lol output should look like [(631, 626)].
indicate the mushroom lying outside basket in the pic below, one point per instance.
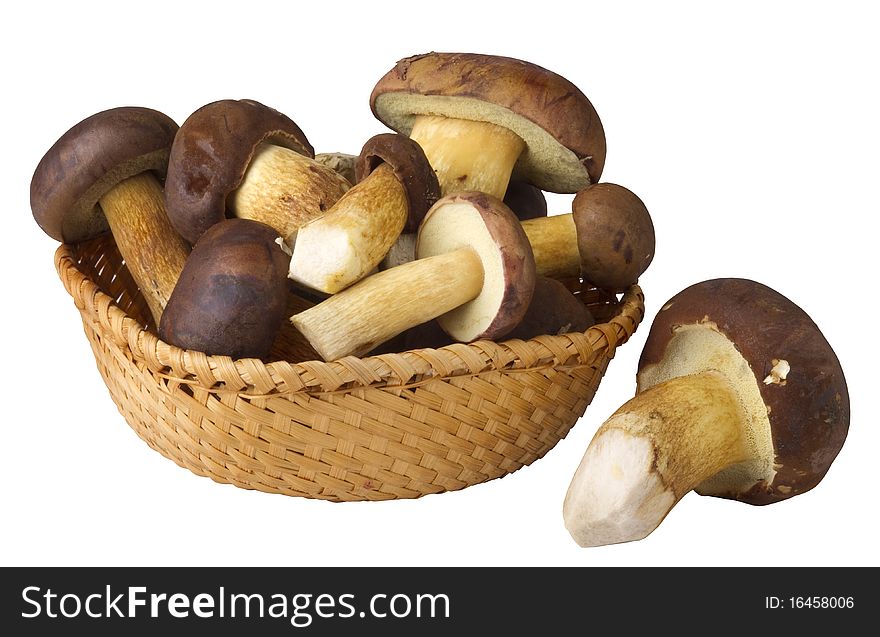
[(398, 425)]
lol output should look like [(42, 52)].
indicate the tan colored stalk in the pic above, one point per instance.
[(383, 305), (555, 245), (468, 155), (285, 189), (342, 246), (656, 448), (154, 253)]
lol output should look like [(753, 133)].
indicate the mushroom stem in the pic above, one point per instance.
[(656, 448), (153, 251), (341, 247), (383, 305), (285, 190), (468, 155), (555, 245)]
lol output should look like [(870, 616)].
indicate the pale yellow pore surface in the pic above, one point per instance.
[(383, 305), (555, 245), (286, 190), (700, 347), (545, 163), (655, 449), (153, 251), (450, 227), (468, 155), (341, 247)]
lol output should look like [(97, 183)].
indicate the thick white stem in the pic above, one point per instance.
[(286, 190), (342, 246), (385, 304), (651, 452)]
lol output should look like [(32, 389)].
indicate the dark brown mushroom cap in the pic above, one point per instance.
[(553, 310), (90, 159), (547, 111), (211, 153), (408, 163), (615, 235), (231, 297), (525, 200), (808, 409)]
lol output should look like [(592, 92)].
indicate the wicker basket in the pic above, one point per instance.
[(397, 425)]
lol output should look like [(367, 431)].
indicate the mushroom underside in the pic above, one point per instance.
[(545, 163), (696, 348)]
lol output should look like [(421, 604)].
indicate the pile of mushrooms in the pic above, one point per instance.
[(442, 221), (438, 232)]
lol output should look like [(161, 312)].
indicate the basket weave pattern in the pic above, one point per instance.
[(398, 425)]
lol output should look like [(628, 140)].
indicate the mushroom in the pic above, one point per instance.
[(525, 200), (608, 238), (482, 118), (232, 294), (553, 310), (104, 173), (395, 187), (474, 273), (341, 163), (739, 396), (246, 157)]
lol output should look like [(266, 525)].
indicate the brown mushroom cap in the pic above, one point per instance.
[(485, 224), (211, 154), (408, 163), (565, 141), (615, 235), (90, 159), (525, 200), (553, 310), (231, 297), (798, 375)]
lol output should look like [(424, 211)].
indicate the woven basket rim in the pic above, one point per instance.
[(254, 377)]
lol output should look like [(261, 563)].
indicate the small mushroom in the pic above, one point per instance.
[(608, 238), (474, 273), (482, 118), (242, 157), (341, 163), (232, 294), (706, 418), (104, 173), (395, 187), (553, 310)]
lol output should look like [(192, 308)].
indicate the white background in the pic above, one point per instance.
[(750, 132)]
